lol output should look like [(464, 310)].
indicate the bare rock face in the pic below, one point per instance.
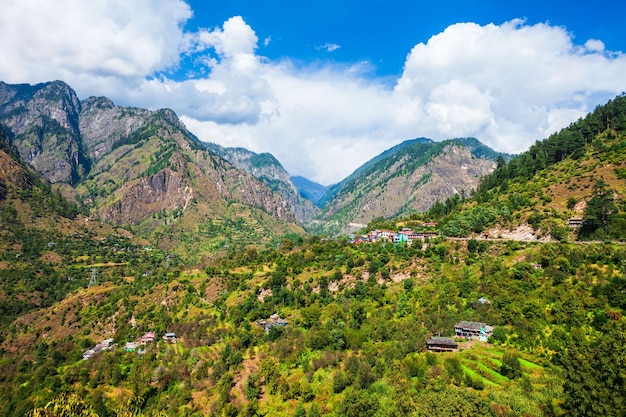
[(103, 125), (267, 169), (42, 121)]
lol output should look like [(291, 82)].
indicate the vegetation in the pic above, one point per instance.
[(355, 343), (574, 173), (357, 316)]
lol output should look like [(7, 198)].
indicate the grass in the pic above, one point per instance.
[(476, 376)]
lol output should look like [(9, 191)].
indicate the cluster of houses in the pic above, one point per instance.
[(137, 345), (406, 235), (462, 330), (99, 347), (273, 320)]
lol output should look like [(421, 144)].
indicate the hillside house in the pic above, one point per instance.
[(130, 347), (273, 320), (169, 337), (148, 337), (483, 301), (441, 344), (575, 222), (473, 330), (99, 347)]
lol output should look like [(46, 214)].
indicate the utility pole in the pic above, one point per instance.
[(93, 281)]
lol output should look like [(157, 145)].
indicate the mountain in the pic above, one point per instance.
[(266, 167), (336, 188), (409, 177), (314, 326), (42, 121), (309, 189), (140, 169)]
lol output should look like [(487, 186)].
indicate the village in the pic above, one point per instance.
[(406, 235), (139, 345)]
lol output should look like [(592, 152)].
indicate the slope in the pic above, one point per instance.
[(163, 182), (407, 178), (266, 167), (568, 186)]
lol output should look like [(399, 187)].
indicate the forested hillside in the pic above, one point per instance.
[(579, 172), (357, 316), (96, 321)]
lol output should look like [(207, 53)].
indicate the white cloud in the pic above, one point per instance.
[(594, 45), (508, 85), (87, 43), (329, 47)]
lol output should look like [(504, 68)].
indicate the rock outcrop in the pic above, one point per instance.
[(267, 169), (42, 121)]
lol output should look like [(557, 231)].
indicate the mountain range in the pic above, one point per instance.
[(139, 168), (142, 168), (145, 233)]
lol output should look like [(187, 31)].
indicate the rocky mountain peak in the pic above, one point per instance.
[(42, 121)]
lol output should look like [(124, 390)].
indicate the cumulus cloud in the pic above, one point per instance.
[(508, 85), (87, 43)]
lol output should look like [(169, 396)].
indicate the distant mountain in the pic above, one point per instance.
[(336, 188), (266, 167), (140, 168), (310, 189), (406, 178)]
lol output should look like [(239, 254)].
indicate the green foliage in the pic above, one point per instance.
[(599, 211), (595, 383), (511, 367)]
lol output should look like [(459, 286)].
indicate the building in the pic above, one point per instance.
[(273, 320), (170, 337), (130, 347), (148, 337), (99, 347), (575, 222), (441, 344), (473, 330)]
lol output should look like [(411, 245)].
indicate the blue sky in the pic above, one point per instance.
[(327, 85), (383, 32)]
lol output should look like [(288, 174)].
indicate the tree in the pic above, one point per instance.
[(511, 367), (595, 382), (299, 411), (64, 406), (599, 211)]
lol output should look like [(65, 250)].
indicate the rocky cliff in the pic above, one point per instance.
[(42, 121), (135, 166), (267, 169), (102, 125)]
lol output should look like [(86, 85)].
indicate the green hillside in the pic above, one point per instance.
[(310, 326), (578, 172), (358, 318)]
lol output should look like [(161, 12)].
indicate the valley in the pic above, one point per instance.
[(205, 282)]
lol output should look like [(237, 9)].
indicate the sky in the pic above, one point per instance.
[(326, 85)]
